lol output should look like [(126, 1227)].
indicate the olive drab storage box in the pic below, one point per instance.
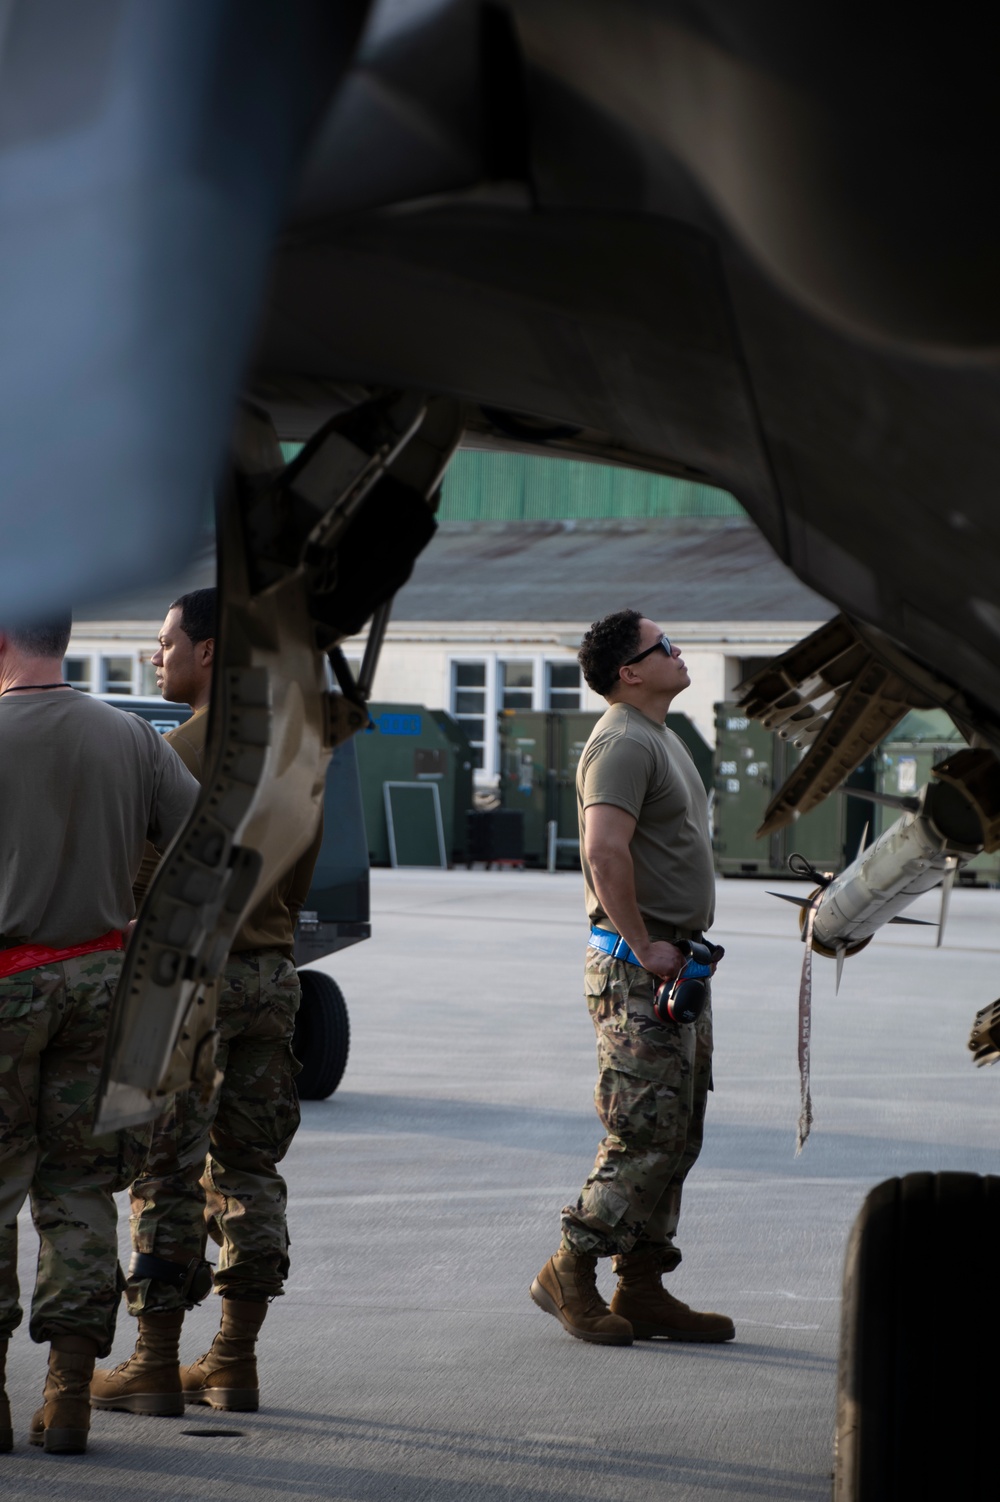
[(751, 763), (539, 754)]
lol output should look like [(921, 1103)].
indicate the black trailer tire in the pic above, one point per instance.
[(322, 1035), (919, 1379)]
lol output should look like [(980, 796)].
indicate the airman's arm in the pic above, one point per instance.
[(608, 832)]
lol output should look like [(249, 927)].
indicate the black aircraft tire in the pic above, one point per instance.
[(322, 1036), (919, 1381)]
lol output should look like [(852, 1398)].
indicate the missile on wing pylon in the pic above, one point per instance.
[(939, 829), (835, 695), (938, 832)]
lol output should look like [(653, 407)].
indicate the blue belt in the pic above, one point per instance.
[(613, 944)]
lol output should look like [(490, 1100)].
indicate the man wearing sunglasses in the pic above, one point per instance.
[(650, 884)]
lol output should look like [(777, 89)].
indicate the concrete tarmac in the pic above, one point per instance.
[(406, 1360)]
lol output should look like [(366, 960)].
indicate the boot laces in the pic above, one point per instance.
[(586, 1287)]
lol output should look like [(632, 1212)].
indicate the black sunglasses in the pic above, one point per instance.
[(663, 642)]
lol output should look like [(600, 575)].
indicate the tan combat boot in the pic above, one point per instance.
[(650, 1310), (63, 1421), (150, 1380), (567, 1288), (6, 1426), (226, 1376)]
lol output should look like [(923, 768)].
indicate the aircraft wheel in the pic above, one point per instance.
[(322, 1035), (919, 1380)]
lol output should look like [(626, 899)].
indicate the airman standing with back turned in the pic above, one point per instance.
[(216, 1163), (82, 786)]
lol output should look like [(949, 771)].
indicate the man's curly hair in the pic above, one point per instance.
[(609, 643)]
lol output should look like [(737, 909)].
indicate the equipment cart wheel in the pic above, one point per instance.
[(919, 1381), (322, 1035)]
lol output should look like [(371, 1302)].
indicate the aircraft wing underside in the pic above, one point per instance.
[(716, 240), (697, 238)]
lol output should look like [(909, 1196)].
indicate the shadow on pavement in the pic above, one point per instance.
[(732, 1148)]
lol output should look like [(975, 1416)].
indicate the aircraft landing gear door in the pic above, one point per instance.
[(308, 553), (919, 1380)]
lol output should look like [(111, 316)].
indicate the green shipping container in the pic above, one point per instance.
[(539, 754), (410, 743), (750, 764)]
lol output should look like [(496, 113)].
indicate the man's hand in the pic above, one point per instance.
[(661, 958), (608, 832)]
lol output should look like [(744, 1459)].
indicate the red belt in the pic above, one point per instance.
[(33, 956)]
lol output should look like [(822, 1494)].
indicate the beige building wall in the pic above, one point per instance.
[(420, 658)]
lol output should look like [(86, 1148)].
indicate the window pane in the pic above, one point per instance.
[(516, 679), (76, 670), (518, 674), (468, 705), (116, 675), (564, 685)]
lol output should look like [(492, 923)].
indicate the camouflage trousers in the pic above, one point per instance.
[(211, 1168), (53, 1025), (651, 1094)]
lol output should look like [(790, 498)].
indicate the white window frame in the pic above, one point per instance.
[(92, 670), (104, 656), (487, 773), (562, 662), (516, 659)]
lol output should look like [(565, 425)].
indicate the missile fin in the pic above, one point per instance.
[(915, 922), (908, 804), (841, 951), (787, 897), (946, 886), (861, 842)]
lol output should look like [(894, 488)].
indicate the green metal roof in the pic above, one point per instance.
[(482, 486), (494, 487)]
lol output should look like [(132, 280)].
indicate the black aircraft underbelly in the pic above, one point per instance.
[(871, 470), (707, 246), (714, 240), (749, 242)]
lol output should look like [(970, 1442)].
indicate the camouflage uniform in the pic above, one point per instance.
[(651, 1094), (53, 1025), (244, 1131)]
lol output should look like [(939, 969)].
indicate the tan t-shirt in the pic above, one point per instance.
[(82, 786), (635, 764), (271, 925)]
